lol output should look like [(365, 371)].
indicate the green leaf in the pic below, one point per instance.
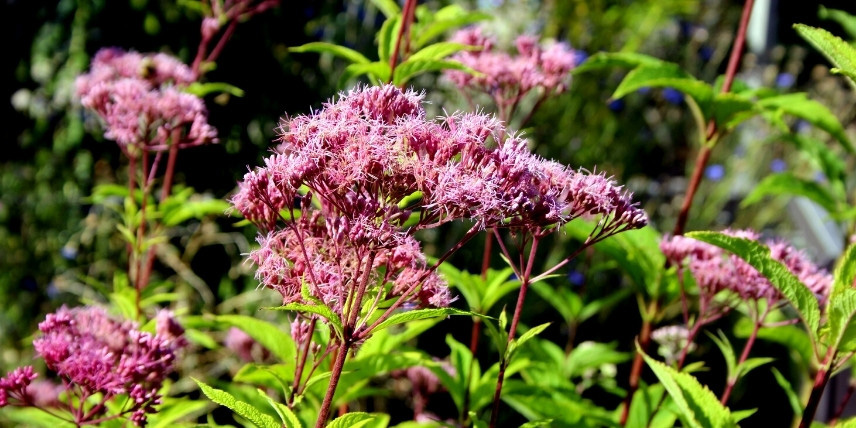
[(724, 345), (665, 75), (842, 304), (788, 389), (175, 214), (289, 419), (412, 68), (445, 19), (758, 256), (729, 109), (420, 314), (268, 335), (386, 38), (752, 364), (174, 409), (813, 112), (525, 337), (356, 420), (388, 8), (837, 51), (377, 70), (538, 423), (440, 50), (203, 89), (829, 162), (698, 405), (792, 337), (592, 355), (330, 48), (602, 60), (786, 183), (321, 310), (241, 408), (846, 20)]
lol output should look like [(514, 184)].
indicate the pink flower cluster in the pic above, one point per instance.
[(505, 76), (94, 353), (369, 169), (140, 101), (715, 270)]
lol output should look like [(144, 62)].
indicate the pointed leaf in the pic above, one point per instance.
[(698, 405), (412, 68), (665, 75), (788, 389), (420, 314), (603, 60), (845, 19), (758, 256), (724, 345), (377, 70), (440, 50), (387, 7), (386, 38), (447, 18), (289, 419), (241, 408), (842, 304), (837, 51), (330, 48), (786, 183), (356, 420), (813, 112), (532, 332), (321, 310)]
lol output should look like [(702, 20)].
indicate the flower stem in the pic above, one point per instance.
[(636, 369), (336, 372), (518, 310), (744, 355), (407, 16), (820, 381), (298, 371)]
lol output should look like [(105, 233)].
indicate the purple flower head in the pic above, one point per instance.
[(15, 385), (95, 353), (137, 98), (715, 271), (714, 172), (502, 75), (348, 186)]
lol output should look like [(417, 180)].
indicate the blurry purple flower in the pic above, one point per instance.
[(714, 172), (673, 96), (706, 53), (785, 80), (244, 346), (136, 97), (616, 105), (778, 165), (645, 90), (68, 252), (576, 278), (803, 126), (820, 177)]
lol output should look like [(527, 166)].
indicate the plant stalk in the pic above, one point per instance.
[(335, 374)]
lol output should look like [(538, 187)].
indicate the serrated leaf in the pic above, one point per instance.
[(412, 68), (387, 7), (602, 60), (333, 49), (420, 314), (378, 70), (241, 408), (174, 409), (354, 420), (321, 310), (665, 75), (698, 405), (758, 256), (786, 183), (279, 343), (837, 51), (813, 112), (841, 310), (843, 18)]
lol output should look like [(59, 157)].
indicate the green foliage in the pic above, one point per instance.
[(698, 405), (758, 256), (786, 183), (846, 20), (480, 294), (268, 335), (419, 314), (360, 420), (841, 309), (252, 414), (837, 51)]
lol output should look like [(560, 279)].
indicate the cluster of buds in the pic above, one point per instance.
[(140, 100), (93, 353)]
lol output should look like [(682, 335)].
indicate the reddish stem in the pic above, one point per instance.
[(744, 355), (518, 310), (335, 374), (407, 15), (298, 371), (843, 404), (636, 369), (820, 381)]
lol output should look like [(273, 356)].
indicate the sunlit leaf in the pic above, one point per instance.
[(243, 409), (786, 183)]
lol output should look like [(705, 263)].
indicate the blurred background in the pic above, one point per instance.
[(53, 239)]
